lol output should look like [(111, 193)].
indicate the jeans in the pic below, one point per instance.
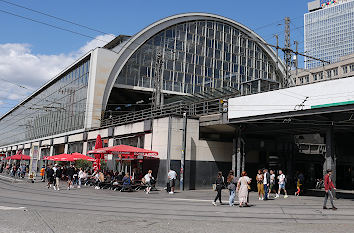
[(330, 194), (265, 191), (232, 197), (79, 181)]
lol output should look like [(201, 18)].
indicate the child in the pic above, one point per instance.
[(42, 172), (298, 186)]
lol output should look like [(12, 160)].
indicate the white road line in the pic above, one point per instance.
[(11, 208)]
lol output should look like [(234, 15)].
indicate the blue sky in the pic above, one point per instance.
[(47, 46)]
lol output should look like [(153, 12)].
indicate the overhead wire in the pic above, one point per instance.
[(55, 17)]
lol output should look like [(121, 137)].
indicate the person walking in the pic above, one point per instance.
[(266, 182), (57, 175), (219, 183), (282, 183), (42, 173), (260, 187), (272, 182), (242, 189), (147, 179), (80, 177), (232, 182), (329, 186), (172, 176), (70, 172), (50, 176)]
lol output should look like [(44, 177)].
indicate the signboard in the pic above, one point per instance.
[(325, 3), (317, 95)]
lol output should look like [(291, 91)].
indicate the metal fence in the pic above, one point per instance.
[(196, 109)]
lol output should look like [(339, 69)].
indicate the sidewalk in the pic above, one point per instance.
[(8, 178)]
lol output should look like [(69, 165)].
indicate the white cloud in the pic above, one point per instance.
[(18, 65)]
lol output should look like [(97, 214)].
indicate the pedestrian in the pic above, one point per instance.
[(172, 176), (231, 186), (282, 183), (23, 171), (298, 187), (242, 189), (272, 182), (329, 186), (81, 177), (266, 182), (147, 179), (42, 173), (219, 183), (57, 174), (50, 176), (70, 173), (260, 187)]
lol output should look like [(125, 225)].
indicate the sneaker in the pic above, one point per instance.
[(214, 203), (262, 199), (68, 188), (55, 188), (170, 192), (58, 189), (334, 208), (286, 196), (276, 196), (79, 187), (259, 198)]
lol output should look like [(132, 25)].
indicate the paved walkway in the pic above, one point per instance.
[(27, 207)]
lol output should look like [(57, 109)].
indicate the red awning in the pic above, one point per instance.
[(19, 157), (69, 157), (125, 151)]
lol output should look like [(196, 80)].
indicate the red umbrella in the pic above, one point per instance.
[(78, 156), (69, 157), (126, 151), (19, 157)]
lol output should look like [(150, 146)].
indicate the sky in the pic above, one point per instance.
[(32, 53)]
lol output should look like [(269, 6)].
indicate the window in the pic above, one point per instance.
[(345, 69)]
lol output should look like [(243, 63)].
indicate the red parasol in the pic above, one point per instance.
[(19, 157), (126, 151), (69, 157)]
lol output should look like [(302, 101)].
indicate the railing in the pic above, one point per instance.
[(197, 109)]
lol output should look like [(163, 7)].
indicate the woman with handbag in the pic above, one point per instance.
[(242, 189), (219, 183)]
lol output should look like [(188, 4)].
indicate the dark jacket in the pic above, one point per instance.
[(58, 173), (219, 182), (50, 172)]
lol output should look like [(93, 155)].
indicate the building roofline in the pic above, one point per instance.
[(45, 85)]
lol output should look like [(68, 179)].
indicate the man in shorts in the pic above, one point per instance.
[(172, 175), (281, 183), (272, 182)]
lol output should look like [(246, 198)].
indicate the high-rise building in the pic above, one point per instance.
[(328, 31)]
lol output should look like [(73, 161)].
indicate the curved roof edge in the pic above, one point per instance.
[(141, 37)]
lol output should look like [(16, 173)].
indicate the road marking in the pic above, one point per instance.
[(11, 208)]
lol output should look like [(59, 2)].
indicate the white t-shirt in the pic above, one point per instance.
[(265, 178), (147, 177), (172, 175), (281, 179)]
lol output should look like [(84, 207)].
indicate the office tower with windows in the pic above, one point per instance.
[(328, 31)]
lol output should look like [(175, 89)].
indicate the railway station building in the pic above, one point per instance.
[(212, 69)]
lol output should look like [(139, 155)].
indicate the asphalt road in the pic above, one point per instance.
[(27, 207)]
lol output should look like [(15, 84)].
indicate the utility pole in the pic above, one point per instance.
[(157, 92), (296, 58), (277, 38), (287, 52)]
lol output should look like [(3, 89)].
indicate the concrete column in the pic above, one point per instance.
[(66, 148), (234, 151), (84, 148), (51, 151), (243, 156), (238, 157), (330, 156)]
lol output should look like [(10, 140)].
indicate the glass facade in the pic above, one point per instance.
[(329, 33), (202, 55), (57, 108)]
